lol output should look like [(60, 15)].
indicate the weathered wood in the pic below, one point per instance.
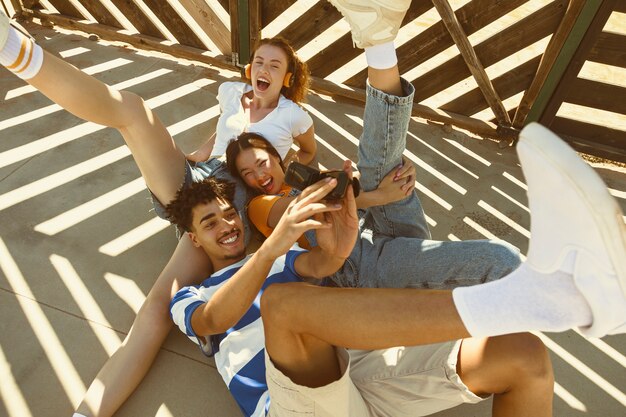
[(209, 22), (66, 8), (174, 23), (473, 16), (479, 127), (17, 6), (472, 61), (225, 4), (140, 41), (101, 13), (306, 27), (254, 17), (597, 95), (548, 61), (270, 10), (599, 136), (507, 84), (137, 17), (506, 42), (609, 49), (593, 29), (233, 7)]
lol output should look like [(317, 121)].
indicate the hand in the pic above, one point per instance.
[(338, 240), (305, 212), (398, 184)]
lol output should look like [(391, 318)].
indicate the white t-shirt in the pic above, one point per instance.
[(279, 127)]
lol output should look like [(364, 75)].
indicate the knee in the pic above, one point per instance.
[(531, 360), (133, 108), (505, 256), (275, 310)]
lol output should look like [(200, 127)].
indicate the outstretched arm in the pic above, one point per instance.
[(231, 301)]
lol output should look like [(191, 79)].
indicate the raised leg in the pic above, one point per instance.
[(160, 161)]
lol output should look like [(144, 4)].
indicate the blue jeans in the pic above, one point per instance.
[(394, 249)]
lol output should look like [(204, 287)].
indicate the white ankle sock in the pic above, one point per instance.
[(381, 56), (21, 55), (524, 300), (78, 415)]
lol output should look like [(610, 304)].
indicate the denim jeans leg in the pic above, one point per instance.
[(418, 263), (385, 125)]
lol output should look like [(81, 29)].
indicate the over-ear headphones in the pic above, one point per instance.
[(287, 81)]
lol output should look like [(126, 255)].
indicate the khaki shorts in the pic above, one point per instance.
[(398, 382)]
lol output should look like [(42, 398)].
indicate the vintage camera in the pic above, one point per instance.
[(301, 176)]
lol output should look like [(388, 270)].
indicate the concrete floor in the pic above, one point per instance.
[(79, 246)]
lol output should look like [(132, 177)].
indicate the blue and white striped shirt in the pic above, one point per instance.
[(240, 352)]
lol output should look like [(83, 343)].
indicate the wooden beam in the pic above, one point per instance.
[(233, 8), (137, 17), (472, 61), (139, 41), (482, 128), (66, 8), (548, 61), (609, 49), (506, 42), (101, 13), (584, 34), (174, 23), (17, 5), (209, 22), (508, 84), (254, 22)]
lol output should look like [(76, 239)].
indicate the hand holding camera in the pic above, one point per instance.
[(301, 176)]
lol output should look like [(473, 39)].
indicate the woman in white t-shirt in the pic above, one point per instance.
[(268, 104)]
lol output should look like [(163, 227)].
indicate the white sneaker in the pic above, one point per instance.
[(373, 22), (4, 29), (576, 226)]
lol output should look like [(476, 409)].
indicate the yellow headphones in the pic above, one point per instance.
[(287, 81)]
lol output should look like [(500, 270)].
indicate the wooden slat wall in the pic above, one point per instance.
[(605, 135), (522, 23)]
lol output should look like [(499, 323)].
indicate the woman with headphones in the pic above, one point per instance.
[(267, 104)]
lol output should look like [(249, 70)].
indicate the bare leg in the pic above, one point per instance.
[(301, 344), (302, 324), (386, 80), (160, 161), (123, 372), (516, 368)]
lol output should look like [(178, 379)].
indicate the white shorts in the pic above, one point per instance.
[(398, 382)]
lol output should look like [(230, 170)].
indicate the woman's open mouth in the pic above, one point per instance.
[(267, 185), (262, 84)]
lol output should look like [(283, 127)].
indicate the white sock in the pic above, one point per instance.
[(78, 415), (21, 55), (381, 56), (524, 300)]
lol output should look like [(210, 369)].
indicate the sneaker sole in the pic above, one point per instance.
[(607, 214)]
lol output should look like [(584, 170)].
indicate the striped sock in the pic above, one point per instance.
[(21, 55)]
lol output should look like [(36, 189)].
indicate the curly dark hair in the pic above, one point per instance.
[(179, 210), (248, 140)]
